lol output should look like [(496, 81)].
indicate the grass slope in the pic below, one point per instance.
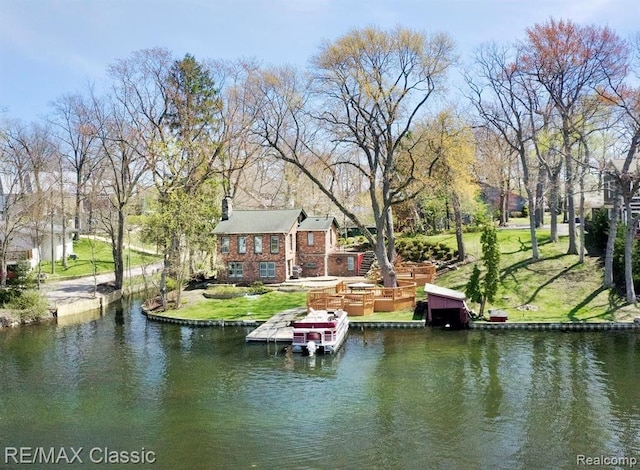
[(555, 288)]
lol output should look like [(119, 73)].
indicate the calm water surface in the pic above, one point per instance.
[(203, 398)]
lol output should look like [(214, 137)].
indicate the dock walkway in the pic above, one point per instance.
[(277, 328)]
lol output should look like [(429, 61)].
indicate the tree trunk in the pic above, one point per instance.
[(504, 207), (611, 239), (571, 211), (118, 250), (390, 238), (78, 205), (3, 268), (483, 302), (386, 266), (65, 256), (628, 253), (553, 210), (581, 215), (535, 253), (540, 187), (457, 213), (163, 281)]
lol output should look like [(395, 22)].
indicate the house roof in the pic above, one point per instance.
[(260, 221), (318, 223)]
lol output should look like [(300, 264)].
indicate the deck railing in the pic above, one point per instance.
[(420, 273), (363, 302)]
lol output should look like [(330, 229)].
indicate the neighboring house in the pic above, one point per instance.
[(609, 188), (17, 193), (491, 195), (24, 247), (272, 246)]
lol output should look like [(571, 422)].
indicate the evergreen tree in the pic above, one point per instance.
[(482, 289)]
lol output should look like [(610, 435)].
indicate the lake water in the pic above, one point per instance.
[(203, 398)]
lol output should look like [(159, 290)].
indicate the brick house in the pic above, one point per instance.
[(317, 240), (269, 245)]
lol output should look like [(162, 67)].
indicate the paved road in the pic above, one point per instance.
[(83, 288), (563, 229)]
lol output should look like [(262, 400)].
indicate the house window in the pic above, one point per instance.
[(257, 245), (310, 239), (242, 245), (234, 269), (224, 245), (275, 244), (351, 263), (267, 269), (291, 241)]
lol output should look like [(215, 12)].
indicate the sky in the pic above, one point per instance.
[(51, 48)]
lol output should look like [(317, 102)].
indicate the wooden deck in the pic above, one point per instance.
[(366, 301), (277, 328)]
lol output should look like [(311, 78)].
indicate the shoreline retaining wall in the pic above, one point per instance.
[(100, 302), (537, 326)]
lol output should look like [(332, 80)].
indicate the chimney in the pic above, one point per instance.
[(227, 208)]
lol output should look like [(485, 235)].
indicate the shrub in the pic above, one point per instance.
[(171, 283), (30, 304), (7, 296), (23, 278), (597, 232), (224, 292), (418, 249), (258, 288)]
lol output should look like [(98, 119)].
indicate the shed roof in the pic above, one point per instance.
[(432, 289), (260, 221)]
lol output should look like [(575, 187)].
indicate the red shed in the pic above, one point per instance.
[(446, 307)]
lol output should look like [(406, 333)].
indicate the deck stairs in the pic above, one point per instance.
[(367, 261)]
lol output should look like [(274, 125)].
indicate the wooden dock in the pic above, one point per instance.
[(277, 328)]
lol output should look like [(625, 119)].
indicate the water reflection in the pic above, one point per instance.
[(203, 398)]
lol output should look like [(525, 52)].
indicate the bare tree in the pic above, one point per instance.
[(19, 152), (124, 167), (367, 90), (32, 147), (497, 91), (571, 62), (78, 144)]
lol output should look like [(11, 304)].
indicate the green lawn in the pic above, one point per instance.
[(260, 307), (83, 266)]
